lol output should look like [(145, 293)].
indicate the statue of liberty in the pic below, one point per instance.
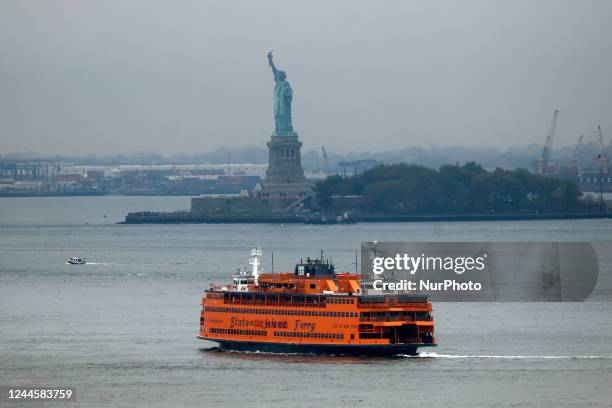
[(283, 95)]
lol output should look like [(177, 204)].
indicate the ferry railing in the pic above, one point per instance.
[(397, 340), (259, 302), (367, 305), (386, 319), (380, 336), (395, 319)]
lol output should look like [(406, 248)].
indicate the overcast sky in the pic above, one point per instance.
[(80, 77)]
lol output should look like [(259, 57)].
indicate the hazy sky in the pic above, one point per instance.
[(100, 77)]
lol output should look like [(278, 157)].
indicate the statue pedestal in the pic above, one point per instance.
[(285, 176)]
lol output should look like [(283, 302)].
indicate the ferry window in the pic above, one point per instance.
[(352, 337), (313, 285)]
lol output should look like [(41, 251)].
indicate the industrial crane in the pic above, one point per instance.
[(326, 160), (603, 163), (546, 152), (576, 154), (603, 160)]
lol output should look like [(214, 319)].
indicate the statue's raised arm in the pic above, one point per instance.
[(271, 63)]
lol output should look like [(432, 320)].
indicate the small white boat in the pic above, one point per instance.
[(76, 260)]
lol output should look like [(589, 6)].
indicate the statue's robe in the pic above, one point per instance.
[(283, 95)]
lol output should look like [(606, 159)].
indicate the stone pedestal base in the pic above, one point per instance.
[(285, 176), (284, 160)]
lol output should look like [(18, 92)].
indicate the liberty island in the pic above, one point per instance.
[(284, 193)]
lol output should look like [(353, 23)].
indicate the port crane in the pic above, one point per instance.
[(326, 160), (603, 159), (576, 154), (544, 162)]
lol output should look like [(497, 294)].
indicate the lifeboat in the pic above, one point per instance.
[(313, 309)]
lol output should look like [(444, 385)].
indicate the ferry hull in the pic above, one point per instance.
[(329, 349)]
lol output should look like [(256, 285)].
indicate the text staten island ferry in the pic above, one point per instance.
[(313, 309)]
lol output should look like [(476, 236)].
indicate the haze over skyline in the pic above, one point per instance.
[(100, 77)]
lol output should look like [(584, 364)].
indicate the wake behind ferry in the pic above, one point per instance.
[(313, 309)]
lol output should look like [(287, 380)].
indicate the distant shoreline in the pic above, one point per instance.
[(187, 217), (93, 194)]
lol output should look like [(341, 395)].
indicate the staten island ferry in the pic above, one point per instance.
[(313, 309)]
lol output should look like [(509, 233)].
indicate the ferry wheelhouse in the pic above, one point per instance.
[(313, 309)]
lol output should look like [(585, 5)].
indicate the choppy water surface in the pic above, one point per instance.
[(122, 328)]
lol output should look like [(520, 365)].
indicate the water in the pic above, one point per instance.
[(122, 328)]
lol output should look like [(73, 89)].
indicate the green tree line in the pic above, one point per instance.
[(468, 189)]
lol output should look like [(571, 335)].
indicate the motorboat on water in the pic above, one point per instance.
[(76, 260)]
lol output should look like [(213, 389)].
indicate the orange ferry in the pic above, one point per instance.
[(313, 309)]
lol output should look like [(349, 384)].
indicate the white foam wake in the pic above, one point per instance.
[(428, 354)]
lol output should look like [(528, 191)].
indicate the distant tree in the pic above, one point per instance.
[(413, 189)]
